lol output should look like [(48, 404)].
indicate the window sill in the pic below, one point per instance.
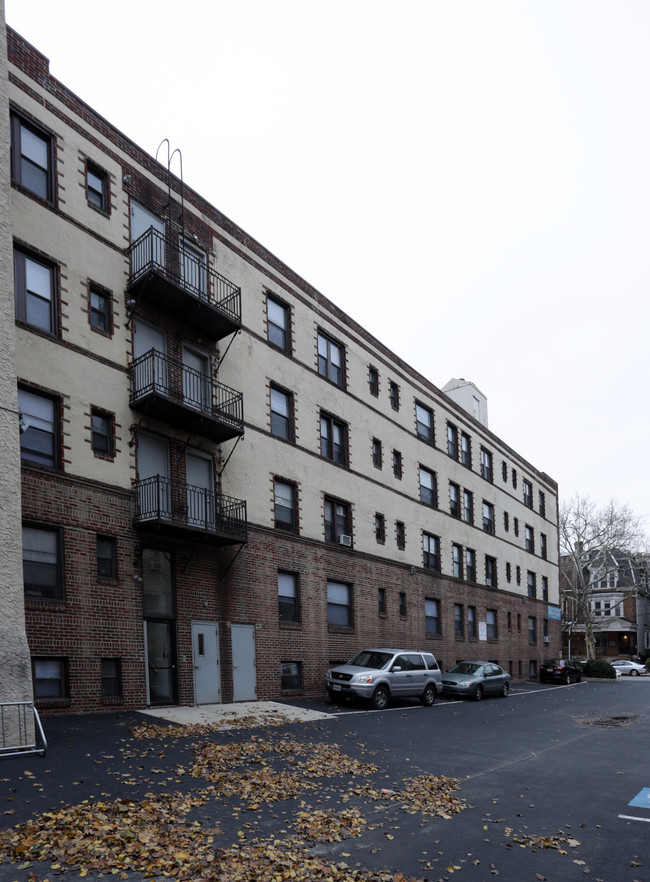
[(112, 701), (341, 629), (290, 626), (46, 703)]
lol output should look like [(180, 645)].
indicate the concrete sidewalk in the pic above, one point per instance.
[(243, 713)]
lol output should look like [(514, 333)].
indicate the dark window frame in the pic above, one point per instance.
[(397, 465), (531, 584), (487, 470), (291, 682), (34, 590), (529, 538), (466, 450), (380, 528), (280, 339), (488, 517), (382, 608), (471, 622), (98, 317), (338, 519), (288, 606), (100, 199), (400, 535), (454, 500), (332, 607), (394, 394), (278, 419), (528, 493), (430, 558), (102, 441), (431, 501), (459, 621), (470, 565), (452, 441), (63, 679), (34, 454), (457, 560), (326, 366), (106, 563), (18, 122), (492, 624), (336, 453), (286, 525), (377, 453), (402, 604), (432, 623), (373, 381), (424, 432), (490, 571), (113, 679), (22, 294)]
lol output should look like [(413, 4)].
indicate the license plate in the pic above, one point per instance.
[(336, 688)]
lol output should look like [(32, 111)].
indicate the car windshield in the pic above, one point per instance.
[(465, 668), (372, 659)]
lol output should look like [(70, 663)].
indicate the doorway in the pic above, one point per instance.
[(244, 671), (207, 663)]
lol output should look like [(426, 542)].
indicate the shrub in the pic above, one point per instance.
[(598, 667)]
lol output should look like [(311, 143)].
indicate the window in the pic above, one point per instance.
[(393, 394), (102, 433), (466, 450), (471, 622), (515, 522), (506, 521), (42, 563), (32, 159), (281, 414), (452, 441), (35, 292), (424, 423), (542, 503), (470, 565), (457, 560), (106, 557), (532, 629), (339, 604), (288, 608), (337, 520), (290, 676), (504, 470), (545, 588), (432, 617), (468, 507), (459, 629), (111, 678), (519, 621), (532, 668), (97, 187), (508, 572), (490, 571), (531, 581), (545, 628), (100, 314), (509, 621), (330, 360), (285, 506), (381, 601), (486, 464), (380, 528), (373, 381), (397, 464), (491, 622), (430, 552), (400, 535), (542, 545), (376, 453), (50, 678), (428, 492), (514, 478), (38, 438), (402, 604), (488, 517), (278, 318), (454, 500), (333, 439), (528, 493), (529, 538)]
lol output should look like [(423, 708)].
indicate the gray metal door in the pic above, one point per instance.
[(244, 673), (207, 667)]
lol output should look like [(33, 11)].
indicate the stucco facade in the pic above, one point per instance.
[(16, 681), (199, 552)]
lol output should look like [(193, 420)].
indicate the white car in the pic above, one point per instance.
[(629, 667)]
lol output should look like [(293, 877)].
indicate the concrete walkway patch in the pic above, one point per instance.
[(241, 714)]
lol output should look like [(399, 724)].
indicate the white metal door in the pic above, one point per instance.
[(142, 219), (207, 669), (151, 251), (200, 496), (153, 461), (194, 269), (244, 673), (196, 379), (152, 372)]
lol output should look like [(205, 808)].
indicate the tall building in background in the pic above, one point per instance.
[(228, 484)]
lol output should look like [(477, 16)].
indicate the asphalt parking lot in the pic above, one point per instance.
[(551, 783)]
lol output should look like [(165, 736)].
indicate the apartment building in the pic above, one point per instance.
[(228, 484)]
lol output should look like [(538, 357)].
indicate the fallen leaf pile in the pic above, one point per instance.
[(151, 836), (157, 731), (329, 825), (539, 842)]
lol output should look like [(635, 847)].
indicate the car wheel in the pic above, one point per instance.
[(428, 696), (505, 689), (634, 673), (478, 693), (567, 678), (379, 699)]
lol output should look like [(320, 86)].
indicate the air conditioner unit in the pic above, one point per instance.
[(345, 540), (547, 639)]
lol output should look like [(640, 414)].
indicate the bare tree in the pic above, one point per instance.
[(592, 541)]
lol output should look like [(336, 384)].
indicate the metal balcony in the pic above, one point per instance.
[(176, 282), (169, 390), (182, 511)]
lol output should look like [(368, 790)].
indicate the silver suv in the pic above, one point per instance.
[(377, 675)]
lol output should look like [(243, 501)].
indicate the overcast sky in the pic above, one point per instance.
[(469, 180)]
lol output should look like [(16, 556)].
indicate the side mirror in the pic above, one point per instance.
[(396, 668)]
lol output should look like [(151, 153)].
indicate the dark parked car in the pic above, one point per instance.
[(377, 675), (474, 679), (559, 670)]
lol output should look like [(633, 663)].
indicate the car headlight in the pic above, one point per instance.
[(362, 678), (465, 683)]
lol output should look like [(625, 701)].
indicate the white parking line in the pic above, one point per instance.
[(632, 818)]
